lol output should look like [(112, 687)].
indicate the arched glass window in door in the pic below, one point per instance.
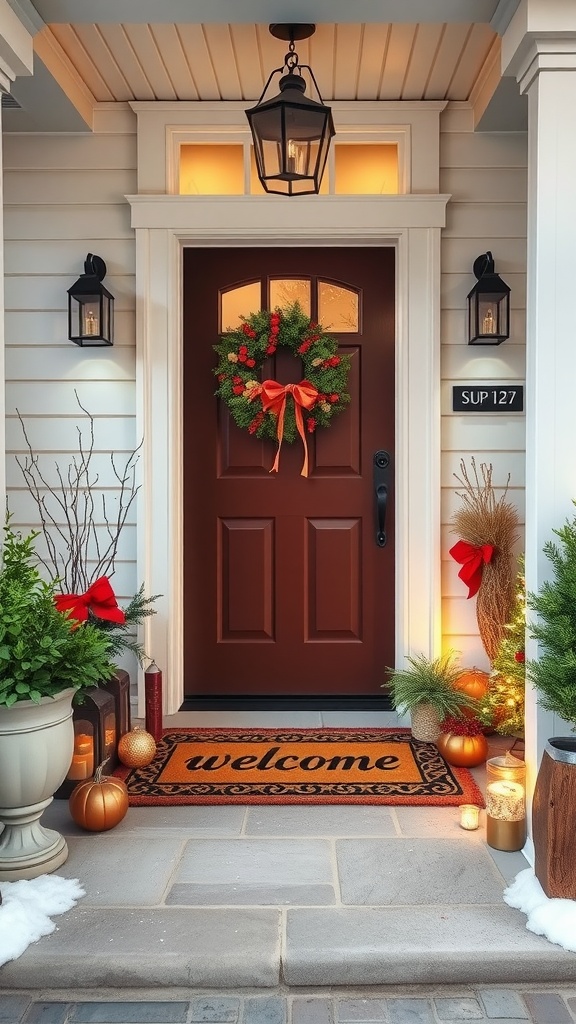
[(338, 306), (239, 302), (284, 291)]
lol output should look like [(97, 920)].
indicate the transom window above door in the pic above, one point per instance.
[(358, 168), (338, 306)]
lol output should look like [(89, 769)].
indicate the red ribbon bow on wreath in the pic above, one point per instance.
[(274, 397), (98, 599), (473, 559)]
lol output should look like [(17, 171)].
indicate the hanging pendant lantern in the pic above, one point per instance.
[(291, 132)]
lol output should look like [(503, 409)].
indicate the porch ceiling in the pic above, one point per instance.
[(147, 50)]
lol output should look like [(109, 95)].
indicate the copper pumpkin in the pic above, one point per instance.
[(473, 682), (99, 803), (463, 751)]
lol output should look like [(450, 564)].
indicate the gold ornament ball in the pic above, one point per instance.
[(136, 748)]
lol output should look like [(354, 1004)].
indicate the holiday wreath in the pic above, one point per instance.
[(262, 407)]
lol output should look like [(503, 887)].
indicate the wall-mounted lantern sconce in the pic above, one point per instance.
[(488, 305), (291, 132), (91, 306)]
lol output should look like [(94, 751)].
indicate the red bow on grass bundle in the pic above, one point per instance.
[(98, 599), (474, 559), (274, 398)]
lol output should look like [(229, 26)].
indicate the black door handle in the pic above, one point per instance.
[(381, 499), (380, 473)]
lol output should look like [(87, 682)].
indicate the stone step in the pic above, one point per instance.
[(259, 947)]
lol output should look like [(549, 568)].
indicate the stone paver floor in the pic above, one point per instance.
[(440, 1005)]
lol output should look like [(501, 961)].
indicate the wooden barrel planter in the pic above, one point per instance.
[(553, 817)]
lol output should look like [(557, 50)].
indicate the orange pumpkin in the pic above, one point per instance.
[(99, 803), (474, 683), (463, 751)]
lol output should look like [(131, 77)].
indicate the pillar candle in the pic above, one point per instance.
[(153, 701)]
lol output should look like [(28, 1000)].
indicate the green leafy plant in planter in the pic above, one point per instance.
[(46, 658), (42, 651), (553, 675), (427, 690)]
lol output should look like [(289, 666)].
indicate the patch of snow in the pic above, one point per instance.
[(26, 909), (553, 918)]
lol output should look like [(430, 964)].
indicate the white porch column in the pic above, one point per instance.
[(539, 47), (15, 59)]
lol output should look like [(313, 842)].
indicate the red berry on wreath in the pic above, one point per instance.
[(250, 362), (333, 399), (311, 425)]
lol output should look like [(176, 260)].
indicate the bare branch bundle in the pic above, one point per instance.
[(77, 555), (486, 519), (79, 550)]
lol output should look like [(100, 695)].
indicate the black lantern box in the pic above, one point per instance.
[(91, 306), (100, 719), (488, 305)]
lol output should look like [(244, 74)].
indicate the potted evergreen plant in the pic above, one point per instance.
[(426, 689), (553, 675), (46, 657)]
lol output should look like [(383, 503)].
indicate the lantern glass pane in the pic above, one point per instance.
[(105, 319), (488, 315), (91, 318), (109, 735), (82, 766)]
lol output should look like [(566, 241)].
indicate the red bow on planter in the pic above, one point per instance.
[(473, 559), (98, 599)]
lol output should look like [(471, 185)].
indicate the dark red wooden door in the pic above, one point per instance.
[(286, 591)]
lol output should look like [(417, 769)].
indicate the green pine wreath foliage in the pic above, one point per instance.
[(242, 353), (554, 673)]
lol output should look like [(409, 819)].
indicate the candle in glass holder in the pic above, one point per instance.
[(82, 766), (469, 814), (505, 803)]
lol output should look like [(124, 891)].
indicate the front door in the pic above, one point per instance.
[(287, 590)]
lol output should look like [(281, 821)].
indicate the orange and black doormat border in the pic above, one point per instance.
[(429, 779)]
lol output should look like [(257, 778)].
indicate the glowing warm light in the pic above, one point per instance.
[(469, 817), (505, 801)]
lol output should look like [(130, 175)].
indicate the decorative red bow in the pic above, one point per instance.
[(474, 559), (98, 599), (274, 396)]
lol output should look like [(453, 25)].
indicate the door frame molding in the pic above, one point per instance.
[(164, 224)]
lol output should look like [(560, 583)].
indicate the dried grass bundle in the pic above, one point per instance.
[(484, 519)]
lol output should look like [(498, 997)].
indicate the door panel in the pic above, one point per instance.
[(285, 589)]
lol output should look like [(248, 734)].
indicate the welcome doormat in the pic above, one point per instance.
[(297, 766)]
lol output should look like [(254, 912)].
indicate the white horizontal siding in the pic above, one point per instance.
[(111, 433), (62, 187), (486, 176), (47, 328), (64, 197), (62, 256), (49, 462), (83, 222), (100, 151)]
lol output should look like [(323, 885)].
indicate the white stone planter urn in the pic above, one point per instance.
[(36, 746)]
